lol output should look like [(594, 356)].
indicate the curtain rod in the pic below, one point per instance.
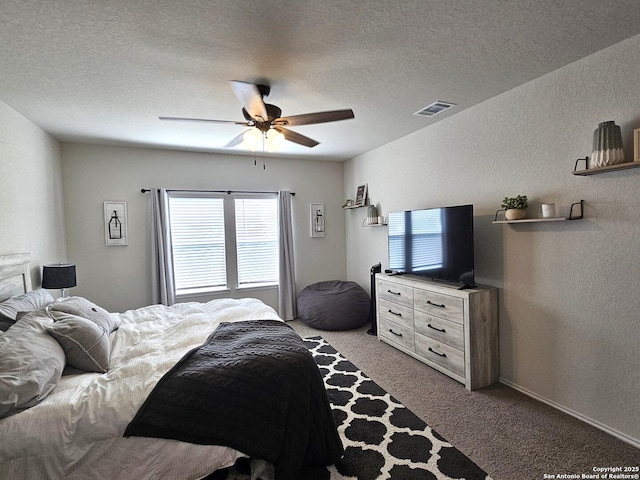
[(229, 192)]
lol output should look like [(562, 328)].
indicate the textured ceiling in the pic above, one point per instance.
[(102, 71)]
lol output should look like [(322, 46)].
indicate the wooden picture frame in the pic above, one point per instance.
[(636, 145), (361, 196), (115, 224)]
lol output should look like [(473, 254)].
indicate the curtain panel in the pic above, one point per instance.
[(287, 275), (163, 290)]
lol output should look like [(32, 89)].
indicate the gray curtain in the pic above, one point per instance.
[(287, 280), (161, 262)]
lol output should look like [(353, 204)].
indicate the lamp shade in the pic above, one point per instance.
[(59, 275)]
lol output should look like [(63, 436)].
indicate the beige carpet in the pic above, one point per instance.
[(508, 434)]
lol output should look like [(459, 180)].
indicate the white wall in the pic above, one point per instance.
[(569, 303), (31, 205), (118, 278)]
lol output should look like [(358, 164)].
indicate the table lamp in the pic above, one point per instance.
[(59, 276)]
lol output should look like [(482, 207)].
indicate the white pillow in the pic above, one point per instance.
[(31, 363)]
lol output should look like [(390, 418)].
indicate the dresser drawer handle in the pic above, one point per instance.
[(396, 334), (441, 330), (439, 305), (439, 354), (395, 313), (393, 293)]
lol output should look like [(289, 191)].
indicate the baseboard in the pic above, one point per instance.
[(622, 436)]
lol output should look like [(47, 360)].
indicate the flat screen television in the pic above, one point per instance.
[(434, 242)]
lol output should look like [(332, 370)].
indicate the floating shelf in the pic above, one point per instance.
[(596, 170), (351, 208), (536, 220), (572, 216)]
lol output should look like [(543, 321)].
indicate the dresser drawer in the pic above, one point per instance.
[(392, 292), (444, 355), (396, 313), (444, 306), (439, 329), (395, 333)]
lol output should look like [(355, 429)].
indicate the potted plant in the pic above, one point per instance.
[(516, 207)]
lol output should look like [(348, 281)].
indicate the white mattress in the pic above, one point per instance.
[(76, 432)]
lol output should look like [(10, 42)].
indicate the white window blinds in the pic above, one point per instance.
[(257, 241), (198, 245), (223, 241)]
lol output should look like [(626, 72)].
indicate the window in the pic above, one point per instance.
[(257, 240), (222, 242)]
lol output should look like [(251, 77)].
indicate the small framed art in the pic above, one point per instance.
[(317, 220), (361, 196), (115, 223)]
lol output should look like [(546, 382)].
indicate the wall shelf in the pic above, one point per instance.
[(596, 170), (352, 208), (572, 216)]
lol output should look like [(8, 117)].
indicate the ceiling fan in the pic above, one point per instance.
[(266, 118)]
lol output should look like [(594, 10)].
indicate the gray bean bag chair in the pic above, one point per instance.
[(334, 305)]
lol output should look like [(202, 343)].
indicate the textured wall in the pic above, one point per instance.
[(31, 209), (569, 303), (118, 277)]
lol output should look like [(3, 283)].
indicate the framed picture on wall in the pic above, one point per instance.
[(115, 223), (636, 145), (361, 195)]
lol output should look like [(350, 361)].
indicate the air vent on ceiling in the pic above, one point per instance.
[(434, 108)]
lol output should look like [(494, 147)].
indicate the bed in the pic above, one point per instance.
[(76, 431)]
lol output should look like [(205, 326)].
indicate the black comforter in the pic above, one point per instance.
[(252, 386)]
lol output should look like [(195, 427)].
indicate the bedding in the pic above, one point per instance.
[(77, 430), (252, 385), (86, 345), (25, 302), (31, 364), (82, 307)]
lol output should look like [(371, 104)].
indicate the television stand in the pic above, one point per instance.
[(453, 331)]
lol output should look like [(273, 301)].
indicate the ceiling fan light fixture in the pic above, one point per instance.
[(252, 139), (267, 125), (274, 140)]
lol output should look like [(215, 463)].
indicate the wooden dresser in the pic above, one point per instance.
[(454, 331)]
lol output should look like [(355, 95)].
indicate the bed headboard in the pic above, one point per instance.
[(15, 277)]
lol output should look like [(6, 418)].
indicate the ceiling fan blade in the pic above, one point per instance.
[(251, 100), (183, 119), (318, 117), (237, 140), (296, 137)]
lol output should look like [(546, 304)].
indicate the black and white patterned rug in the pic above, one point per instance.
[(382, 438)]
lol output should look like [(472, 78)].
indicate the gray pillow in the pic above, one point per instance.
[(26, 302), (31, 363), (85, 344), (84, 308)]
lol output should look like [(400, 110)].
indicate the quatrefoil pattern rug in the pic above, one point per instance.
[(382, 438)]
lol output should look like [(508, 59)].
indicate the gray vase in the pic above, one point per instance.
[(372, 215), (607, 145)]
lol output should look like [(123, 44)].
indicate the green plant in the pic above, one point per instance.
[(519, 201)]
